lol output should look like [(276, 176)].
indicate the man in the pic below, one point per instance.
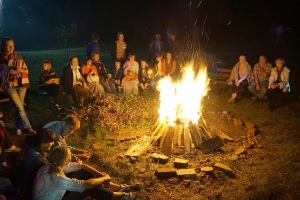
[(173, 46), (107, 84), (156, 45), (62, 130), (93, 46), (261, 73), (119, 50)]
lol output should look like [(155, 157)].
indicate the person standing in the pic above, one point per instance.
[(261, 73), (119, 50), (93, 46), (15, 81), (156, 45)]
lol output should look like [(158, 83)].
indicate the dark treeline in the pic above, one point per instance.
[(33, 23)]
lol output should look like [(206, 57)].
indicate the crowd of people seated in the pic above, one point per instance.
[(51, 167)]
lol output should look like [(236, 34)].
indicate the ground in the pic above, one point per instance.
[(268, 171)]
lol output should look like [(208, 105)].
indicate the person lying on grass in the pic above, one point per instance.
[(64, 128), (51, 181)]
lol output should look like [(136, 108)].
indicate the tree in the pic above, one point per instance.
[(65, 33)]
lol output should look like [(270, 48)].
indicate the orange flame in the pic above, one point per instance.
[(182, 100)]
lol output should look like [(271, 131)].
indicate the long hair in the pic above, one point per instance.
[(57, 156)]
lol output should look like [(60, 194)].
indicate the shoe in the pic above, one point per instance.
[(231, 100), (257, 99), (18, 132), (264, 99), (30, 131), (14, 149)]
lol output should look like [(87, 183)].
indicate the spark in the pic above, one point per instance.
[(204, 23), (190, 4), (199, 3)]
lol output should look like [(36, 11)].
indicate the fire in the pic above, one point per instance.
[(182, 100)]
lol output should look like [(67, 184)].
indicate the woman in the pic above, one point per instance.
[(90, 75), (278, 82), (241, 75), (35, 156), (74, 84), (168, 66), (130, 80), (14, 81), (51, 181), (51, 80)]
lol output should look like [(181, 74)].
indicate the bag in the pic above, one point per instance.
[(92, 78)]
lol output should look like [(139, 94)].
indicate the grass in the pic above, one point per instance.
[(271, 172)]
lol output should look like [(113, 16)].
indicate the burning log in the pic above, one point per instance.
[(196, 135), (172, 138), (187, 139)]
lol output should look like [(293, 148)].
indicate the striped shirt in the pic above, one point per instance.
[(53, 186)]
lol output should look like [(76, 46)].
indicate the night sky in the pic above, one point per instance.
[(33, 23)]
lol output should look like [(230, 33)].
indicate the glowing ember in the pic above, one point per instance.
[(182, 100)]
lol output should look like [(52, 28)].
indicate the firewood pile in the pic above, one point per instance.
[(172, 138)]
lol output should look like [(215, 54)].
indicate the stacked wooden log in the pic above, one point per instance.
[(181, 135)]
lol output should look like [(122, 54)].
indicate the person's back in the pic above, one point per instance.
[(93, 46)]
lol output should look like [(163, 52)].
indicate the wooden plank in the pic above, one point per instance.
[(224, 136), (168, 143), (224, 70), (138, 149), (223, 75)]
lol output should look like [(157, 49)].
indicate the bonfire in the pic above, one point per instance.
[(180, 122)]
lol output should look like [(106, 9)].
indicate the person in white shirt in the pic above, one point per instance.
[(52, 183)]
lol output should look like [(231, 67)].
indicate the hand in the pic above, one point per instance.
[(107, 178), (257, 87), (237, 84), (274, 85)]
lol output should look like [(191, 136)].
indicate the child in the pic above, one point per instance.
[(51, 81), (117, 75), (130, 81), (51, 181), (143, 76)]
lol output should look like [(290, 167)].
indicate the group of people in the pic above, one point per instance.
[(51, 169), (265, 82)]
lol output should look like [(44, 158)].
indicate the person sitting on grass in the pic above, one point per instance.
[(51, 181), (6, 144), (240, 75), (35, 156), (130, 80), (74, 84), (143, 76), (51, 81), (62, 130), (90, 75), (117, 75), (278, 82)]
